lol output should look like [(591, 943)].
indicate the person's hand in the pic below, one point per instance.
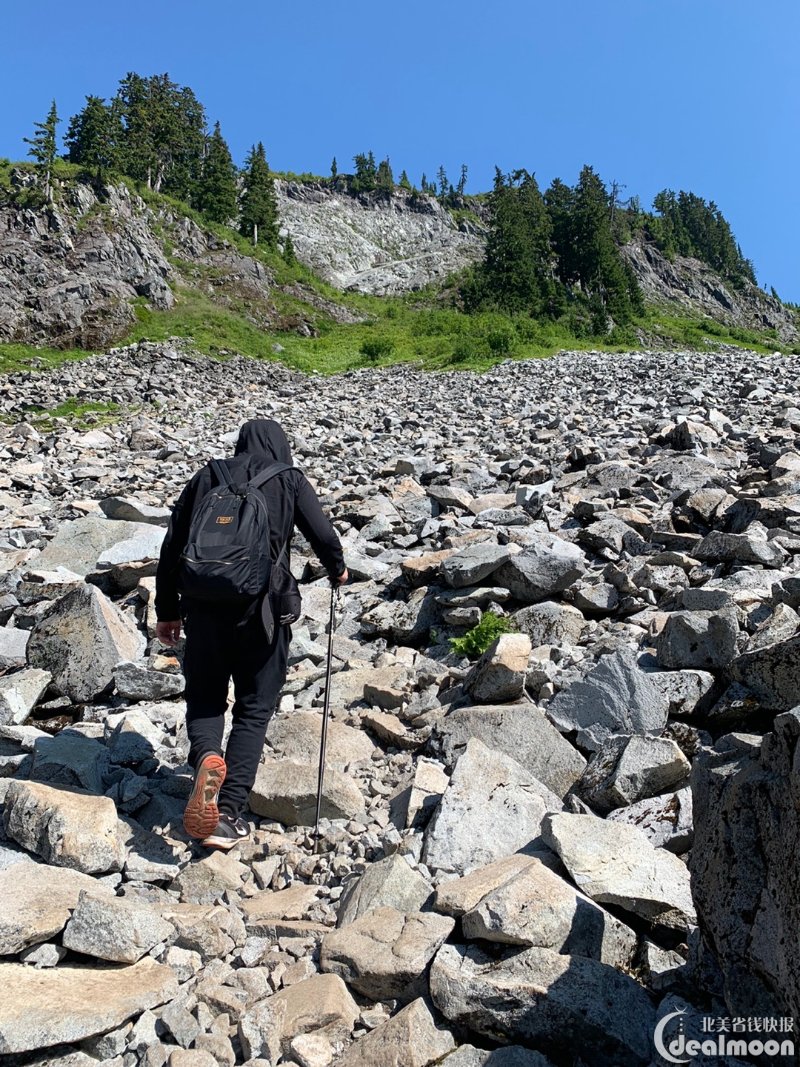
[(168, 633), (341, 579)]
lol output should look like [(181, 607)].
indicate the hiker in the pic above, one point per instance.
[(243, 636)]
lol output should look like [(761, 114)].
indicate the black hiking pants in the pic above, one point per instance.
[(220, 647)]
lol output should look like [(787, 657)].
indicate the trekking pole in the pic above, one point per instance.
[(325, 711)]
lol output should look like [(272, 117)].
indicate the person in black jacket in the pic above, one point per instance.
[(224, 642)]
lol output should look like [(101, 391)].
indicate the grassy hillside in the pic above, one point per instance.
[(424, 327)]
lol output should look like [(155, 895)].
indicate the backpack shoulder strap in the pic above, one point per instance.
[(221, 471), (270, 472)]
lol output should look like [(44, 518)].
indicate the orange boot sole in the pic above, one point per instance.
[(202, 815)]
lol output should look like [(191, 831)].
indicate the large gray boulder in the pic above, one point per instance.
[(616, 864), (628, 769), (411, 1038), (286, 790), (391, 882), (553, 1000), (472, 564), (36, 901), (78, 545), (521, 731), (492, 807), (667, 820), (297, 737), (80, 640), (615, 697), (68, 1003), (66, 827), (542, 569), (385, 954), (535, 907), (772, 673), (702, 639), (114, 929), (745, 866), (550, 623)]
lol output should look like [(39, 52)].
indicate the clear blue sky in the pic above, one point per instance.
[(702, 95)]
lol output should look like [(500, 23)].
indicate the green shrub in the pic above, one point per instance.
[(475, 641), (376, 348)]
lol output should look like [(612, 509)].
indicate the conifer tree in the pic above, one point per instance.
[(462, 181), (334, 169), (216, 189), (259, 209), (288, 249), (441, 176), (92, 138), (404, 182), (44, 146), (384, 179)]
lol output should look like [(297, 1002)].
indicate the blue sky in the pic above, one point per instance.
[(702, 95)]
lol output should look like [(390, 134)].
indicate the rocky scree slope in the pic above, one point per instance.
[(511, 871)]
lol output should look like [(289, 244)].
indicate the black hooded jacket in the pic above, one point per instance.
[(290, 499)]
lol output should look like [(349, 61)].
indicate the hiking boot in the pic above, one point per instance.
[(202, 815), (227, 833)]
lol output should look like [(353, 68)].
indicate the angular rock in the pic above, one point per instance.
[(391, 882), (718, 546), (13, 644), (615, 697), (555, 1001), (508, 1056), (36, 901), (78, 545), (744, 866), (385, 954), (411, 1038), (536, 907), (320, 1004), (550, 623), (130, 510), (667, 820), (297, 737), (702, 639), (540, 570), (415, 804), (499, 675), (459, 895), (521, 731), (114, 929), (616, 864), (772, 673), (80, 640), (69, 1003), (70, 759), (19, 695), (135, 681), (287, 792), (67, 828), (261, 1030), (628, 769), (472, 564), (492, 807)]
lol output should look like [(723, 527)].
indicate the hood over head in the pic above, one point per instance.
[(264, 437)]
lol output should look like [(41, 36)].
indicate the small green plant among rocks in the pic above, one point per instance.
[(475, 641)]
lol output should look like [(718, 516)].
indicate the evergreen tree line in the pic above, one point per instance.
[(689, 226), (546, 251), (155, 132), (543, 250)]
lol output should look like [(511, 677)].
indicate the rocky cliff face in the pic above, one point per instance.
[(375, 243), (68, 274), (689, 287)]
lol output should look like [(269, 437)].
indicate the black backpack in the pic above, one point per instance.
[(227, 555)]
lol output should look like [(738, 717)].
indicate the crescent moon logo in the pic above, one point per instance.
[(658, 1037)]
